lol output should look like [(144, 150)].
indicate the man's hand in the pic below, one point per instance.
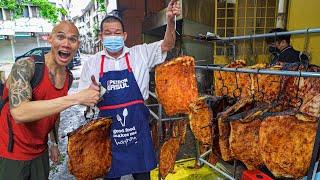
[(90, 96), (173, 9), (55, 154)]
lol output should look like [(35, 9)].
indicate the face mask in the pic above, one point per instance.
[(113, 43), (273, 50)]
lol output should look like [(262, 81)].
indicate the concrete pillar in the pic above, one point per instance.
[(38, 42)]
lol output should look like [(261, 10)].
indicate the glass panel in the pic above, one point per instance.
[(1, 16), (26, 11), (37, 52)]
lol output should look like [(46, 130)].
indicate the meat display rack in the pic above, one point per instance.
[(213, 67)]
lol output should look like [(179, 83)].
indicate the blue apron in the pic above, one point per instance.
[(132, 150)]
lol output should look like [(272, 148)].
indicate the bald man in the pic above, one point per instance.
[(30, 114)]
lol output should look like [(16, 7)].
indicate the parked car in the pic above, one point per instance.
[(76, 61)]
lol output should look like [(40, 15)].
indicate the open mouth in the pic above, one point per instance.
[(64, 55)]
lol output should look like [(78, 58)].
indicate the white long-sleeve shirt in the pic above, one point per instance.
[(142, 59)]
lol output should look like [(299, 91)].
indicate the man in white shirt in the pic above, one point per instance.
[(124, 72)]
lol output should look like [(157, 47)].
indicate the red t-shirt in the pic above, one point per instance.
[(30, 139)]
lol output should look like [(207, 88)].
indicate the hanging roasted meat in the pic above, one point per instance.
[(286, 142), (224, 126), (168, 154), (176, 85), (229, 83), (154, 134), (304, 93), (266, 87), (89, 150), (179, 129), (244, 142), (200, 121)]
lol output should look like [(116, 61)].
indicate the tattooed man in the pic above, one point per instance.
[(32, 113)]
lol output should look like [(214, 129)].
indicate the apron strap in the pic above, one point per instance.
[(101, 66), (128, 64)]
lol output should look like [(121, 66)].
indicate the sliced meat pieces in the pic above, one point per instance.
[(168, 154), (176, 85), (286, 144), (89, 150)]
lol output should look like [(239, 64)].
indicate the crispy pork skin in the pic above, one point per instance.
[(244, 143), (286, 144), (200, 121), (179, 129), (168, 154), (304, 93), (229, 83), (176, 85), (89, 149), (224, 126)]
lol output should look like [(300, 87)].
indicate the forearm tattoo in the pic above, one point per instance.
[(19, 82)]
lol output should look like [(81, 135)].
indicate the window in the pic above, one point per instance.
[(26, 11), (7, 14), (1, 15), (34, 11)]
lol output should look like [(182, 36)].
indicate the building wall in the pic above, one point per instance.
[(133, 12), (303, 15), (30, 22), (22, 45)]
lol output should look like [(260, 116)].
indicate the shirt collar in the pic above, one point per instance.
[(125, 50), (289, 47)]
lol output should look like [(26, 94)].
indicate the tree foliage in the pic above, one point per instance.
[(46, 9), (102, 7)]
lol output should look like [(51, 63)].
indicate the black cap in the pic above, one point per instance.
[(114, 14)]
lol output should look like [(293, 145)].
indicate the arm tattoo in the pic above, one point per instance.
[(19, 82)]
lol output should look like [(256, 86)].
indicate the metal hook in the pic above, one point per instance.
[(237, 89), (259, 92), (297, 98), (306, 44), (223, 85)]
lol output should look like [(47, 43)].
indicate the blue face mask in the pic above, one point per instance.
[(113, 43)]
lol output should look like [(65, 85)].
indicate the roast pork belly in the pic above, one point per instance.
[(286, 142), (89, 150), (229, 83), (179, 129), (200, 121), (304, 92), (266, 87), (168, 154), (244, 143), (176, 85), (224, 126)]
